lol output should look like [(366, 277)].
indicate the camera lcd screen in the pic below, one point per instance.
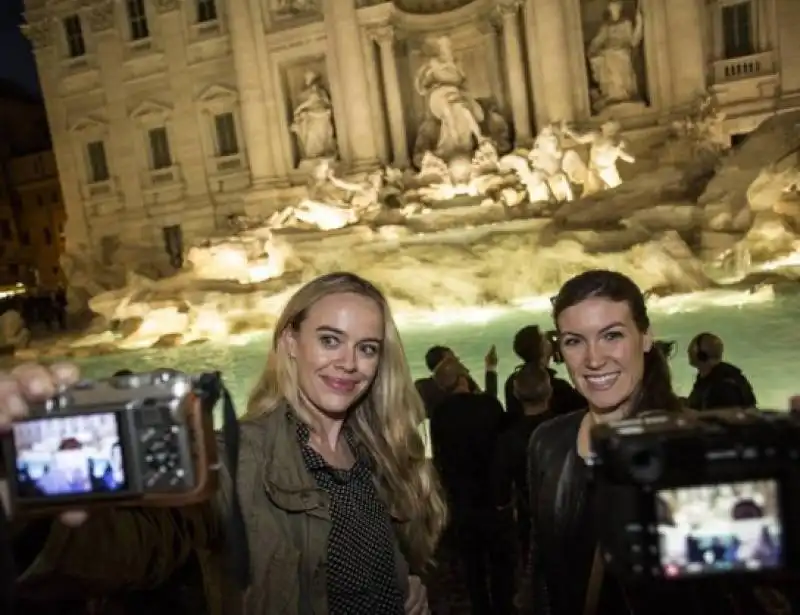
[(69, 456), (712, 529)]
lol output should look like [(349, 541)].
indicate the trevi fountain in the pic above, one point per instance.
[(471, 244), (471, 236)]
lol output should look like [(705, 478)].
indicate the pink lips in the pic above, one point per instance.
[(340, 385)]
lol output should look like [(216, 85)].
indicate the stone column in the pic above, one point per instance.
[(384, 36), (717, 35), (77, 230), (686, 52), (546, 18), (122, 153), (515, 70), (187, 148), (763, 23), (250, 75), (344, 32)]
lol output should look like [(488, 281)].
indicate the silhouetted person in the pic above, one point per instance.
[(532, 388), (532, 347), (718, 384), (464, 432), (432, 394)]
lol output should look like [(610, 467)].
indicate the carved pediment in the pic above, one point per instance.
[(88, 124), (150, 110), (217, 93)]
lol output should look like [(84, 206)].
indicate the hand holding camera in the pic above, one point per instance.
[(31, 383), (134, 440)]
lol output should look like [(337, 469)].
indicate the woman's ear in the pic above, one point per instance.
[(289, 342), (647, 342)]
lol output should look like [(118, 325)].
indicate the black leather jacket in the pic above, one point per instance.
[(563, 541)]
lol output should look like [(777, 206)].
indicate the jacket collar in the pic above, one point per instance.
[(287, 481)]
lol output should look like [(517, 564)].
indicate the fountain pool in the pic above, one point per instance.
[(760, 331)]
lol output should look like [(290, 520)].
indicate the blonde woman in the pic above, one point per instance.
[(342, 508)]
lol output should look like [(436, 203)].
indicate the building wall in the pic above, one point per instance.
[(35, 179), (247, 58), (23, 130)]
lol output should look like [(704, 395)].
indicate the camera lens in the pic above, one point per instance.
[(645, 465)]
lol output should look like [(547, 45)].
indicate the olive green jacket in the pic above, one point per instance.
[(287, 517)]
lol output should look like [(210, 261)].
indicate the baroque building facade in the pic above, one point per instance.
[(170, 116)]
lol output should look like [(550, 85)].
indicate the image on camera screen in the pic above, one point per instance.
[(719, 528), (69, 456)]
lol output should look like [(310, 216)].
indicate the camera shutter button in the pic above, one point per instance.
[(62, 401)]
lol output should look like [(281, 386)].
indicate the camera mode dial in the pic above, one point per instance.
[(161, 451)]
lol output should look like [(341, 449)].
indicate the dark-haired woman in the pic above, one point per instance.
[(605, 338)]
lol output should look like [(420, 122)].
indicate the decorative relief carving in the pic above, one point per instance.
[(288, 9), (101, 16), (165, 6), (39, 33), (429, 7)]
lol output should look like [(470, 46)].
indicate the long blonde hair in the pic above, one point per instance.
[(385, 421)]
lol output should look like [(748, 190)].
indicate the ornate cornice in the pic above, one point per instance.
[(39, 33)]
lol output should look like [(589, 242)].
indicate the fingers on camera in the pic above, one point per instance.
[(65, 374), (12, 405), (35, 381)]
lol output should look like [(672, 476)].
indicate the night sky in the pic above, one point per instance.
[(16, 59)]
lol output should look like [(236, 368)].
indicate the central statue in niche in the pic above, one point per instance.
[(312, 122), (443, 85), (611, 57)]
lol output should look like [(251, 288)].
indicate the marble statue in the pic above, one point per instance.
[(461, 176), (549, 171), (606, 148), (332, 202), (611, 57), (313, 120), (442, 82)]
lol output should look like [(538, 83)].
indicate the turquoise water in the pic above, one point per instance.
[(761, 338)]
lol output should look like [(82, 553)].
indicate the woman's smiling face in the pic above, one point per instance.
[(603, 350)]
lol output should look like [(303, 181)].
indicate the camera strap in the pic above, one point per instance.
[(211, 388), (595, 584)]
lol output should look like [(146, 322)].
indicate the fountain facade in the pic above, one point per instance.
[(242, 101), (458, 153)]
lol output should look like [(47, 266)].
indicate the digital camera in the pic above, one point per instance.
[(698, 494), (136, 439)]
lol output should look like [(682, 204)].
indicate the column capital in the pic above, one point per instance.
[(384, 34), (508, 9)]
